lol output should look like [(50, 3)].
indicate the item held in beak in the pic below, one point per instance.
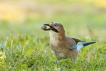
[(44, 27)]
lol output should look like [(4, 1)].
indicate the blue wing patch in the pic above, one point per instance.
[(74, 47)]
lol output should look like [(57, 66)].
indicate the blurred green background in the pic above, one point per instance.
[(82, 18), (25, 47)]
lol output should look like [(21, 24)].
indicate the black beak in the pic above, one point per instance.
[(51, 28)]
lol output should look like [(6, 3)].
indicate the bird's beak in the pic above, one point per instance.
[(44, 27)]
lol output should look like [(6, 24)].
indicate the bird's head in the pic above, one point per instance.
[(54, 28)]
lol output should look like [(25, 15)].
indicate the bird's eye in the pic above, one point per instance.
[(56, 25)]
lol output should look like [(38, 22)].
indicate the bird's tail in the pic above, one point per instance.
[(79, 46)]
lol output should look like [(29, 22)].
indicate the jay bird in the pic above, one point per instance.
[(61, 45)]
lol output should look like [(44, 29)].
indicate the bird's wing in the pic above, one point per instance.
[(77, 40), (72, 42)]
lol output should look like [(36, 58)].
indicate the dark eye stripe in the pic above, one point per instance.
[(55, 30)]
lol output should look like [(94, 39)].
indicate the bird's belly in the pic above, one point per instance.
[(65, 53), (60, 53)]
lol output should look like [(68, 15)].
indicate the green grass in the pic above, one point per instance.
[(26, 53), (26, 47)]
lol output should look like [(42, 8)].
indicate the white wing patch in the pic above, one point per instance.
[(79, 46)]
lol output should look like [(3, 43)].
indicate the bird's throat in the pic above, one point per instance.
[(56, 37)]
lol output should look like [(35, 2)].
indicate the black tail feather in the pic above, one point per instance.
[(88, 43)]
